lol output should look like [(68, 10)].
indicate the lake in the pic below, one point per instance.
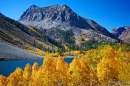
[(7, 67)]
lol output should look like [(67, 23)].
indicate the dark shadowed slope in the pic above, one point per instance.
[(13, 32)]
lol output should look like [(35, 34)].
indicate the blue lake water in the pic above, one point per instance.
[(7, 67)]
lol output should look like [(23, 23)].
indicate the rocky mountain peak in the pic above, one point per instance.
[(53, 16), (64, 18), (33, 7), (66, 8)]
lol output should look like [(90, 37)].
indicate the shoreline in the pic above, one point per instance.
[(15, 59)]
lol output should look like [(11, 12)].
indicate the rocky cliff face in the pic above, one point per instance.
[(63, 18), (123, 33)]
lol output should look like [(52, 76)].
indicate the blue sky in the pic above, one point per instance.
[(107, 13)]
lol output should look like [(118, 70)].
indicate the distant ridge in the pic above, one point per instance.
[(123, 33)]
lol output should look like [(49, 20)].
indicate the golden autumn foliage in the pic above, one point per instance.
[(16, 78), (27, 73), (3, 80), (98, 67), (123, 59), (107, 70), (80, 72)]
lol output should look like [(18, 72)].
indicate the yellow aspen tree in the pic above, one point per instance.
[(80, 56), (42, 74), (90, 57), (47, 72), (75, 73), (3, 80), (107, 70), (86, 73), (93, 76), (80, 72), (123, 59), (27, 73), (39, 78), (35, 68), (106, 51), (15, 78), (61, 71)]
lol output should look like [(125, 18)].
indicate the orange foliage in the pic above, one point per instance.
[(3, 80)]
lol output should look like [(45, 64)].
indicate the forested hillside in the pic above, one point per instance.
[(28, 38)]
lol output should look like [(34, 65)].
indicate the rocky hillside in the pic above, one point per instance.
[(123, 33), (8, 52), (63, 18)]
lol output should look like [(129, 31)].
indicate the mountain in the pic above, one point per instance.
[(123, 33), (24, 37), (118, 31), (57, 19)]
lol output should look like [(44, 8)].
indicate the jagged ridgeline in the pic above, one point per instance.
[(64, 25)]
